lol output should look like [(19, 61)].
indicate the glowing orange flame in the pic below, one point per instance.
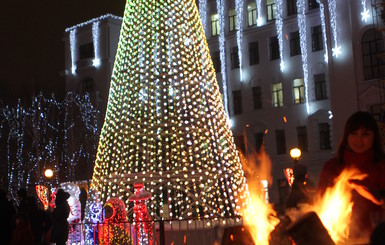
[(335, 207), (256, 217), (259, 216)]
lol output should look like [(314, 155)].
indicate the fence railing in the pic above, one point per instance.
[(155, 232)]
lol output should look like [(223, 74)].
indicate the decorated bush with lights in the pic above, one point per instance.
[(165, 124)]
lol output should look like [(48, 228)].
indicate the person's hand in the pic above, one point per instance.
[(364, 191)]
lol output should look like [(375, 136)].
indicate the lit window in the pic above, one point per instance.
[(270, 10), (232, 20), (251, 14), (214, 25), (277, 95), (298, 91)]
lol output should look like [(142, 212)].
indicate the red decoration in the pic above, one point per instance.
[(142, 218), (42, 193)]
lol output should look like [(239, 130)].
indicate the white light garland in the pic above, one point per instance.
[(95, 37), (203, 13), (333, 24), (107, 16), (279, 24), (239, 11), (303, 42), (73, 50), (259, 11), (222, 51), (324, 36), (365, 12)]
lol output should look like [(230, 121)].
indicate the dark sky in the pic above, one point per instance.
[(32, 50)]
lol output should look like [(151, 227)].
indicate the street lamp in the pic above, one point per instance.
[(48, 173), (295, 153)]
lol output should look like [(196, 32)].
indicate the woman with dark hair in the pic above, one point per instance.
[(361, 148)]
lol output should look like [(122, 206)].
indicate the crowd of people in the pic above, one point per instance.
[(24, 222)]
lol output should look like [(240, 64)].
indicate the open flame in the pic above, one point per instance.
[(335, 206), (259, 215)]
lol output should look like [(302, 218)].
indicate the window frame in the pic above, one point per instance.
[(271, 10), (295, 43), (316, 38), (298, 91), (324, 136), (277, 95), (257, 97), (252, 14), (234, 57), (253, 53), (232, 20), (237, 102), (215, 27), (320, 89), (302, 138), (274, 48), (280, 141)]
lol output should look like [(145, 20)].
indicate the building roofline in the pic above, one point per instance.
[(103, 17)]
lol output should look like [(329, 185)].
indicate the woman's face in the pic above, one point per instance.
[(360, 140)]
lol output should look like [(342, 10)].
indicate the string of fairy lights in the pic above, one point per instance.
[(303, 44), (165, 124), (279, 24), (239, 24), (95, 38), (39, 137), (222, 51)]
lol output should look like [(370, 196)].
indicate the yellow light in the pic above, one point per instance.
[(295, 153), (48, 173)]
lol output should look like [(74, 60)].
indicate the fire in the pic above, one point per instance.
[(256, 217), (335, 207), (259, 216)]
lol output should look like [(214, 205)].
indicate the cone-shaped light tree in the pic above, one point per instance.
[(165, 123)]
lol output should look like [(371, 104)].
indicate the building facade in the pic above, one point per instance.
[(291, 72)]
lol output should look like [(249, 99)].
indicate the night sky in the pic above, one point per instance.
[(32, 50)]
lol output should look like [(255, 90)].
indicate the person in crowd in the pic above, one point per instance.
[(22, 233), (22, 196), (302, 189), (60, 215), (40, 220), (7, 212), (361, 148)]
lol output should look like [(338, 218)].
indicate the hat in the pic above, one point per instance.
[(61, 196)]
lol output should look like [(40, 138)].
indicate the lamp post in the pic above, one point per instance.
[(48, 173), (295, 154)]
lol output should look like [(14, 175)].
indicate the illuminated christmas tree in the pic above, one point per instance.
[(165, 124)]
